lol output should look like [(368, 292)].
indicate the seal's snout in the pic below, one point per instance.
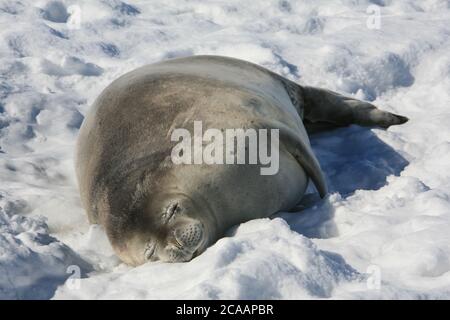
[(189, 237)]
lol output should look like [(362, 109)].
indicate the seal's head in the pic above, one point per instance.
[(170, 228)]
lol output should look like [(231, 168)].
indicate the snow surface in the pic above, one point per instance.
[(388, 213)]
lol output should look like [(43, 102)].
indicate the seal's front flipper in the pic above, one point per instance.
[(326, 109), (302, 152)]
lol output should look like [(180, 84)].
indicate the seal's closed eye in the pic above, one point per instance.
[(150, 249), (170, 212)]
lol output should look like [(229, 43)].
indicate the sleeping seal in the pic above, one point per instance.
[(155, 208)]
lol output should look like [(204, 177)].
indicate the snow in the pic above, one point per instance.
[(388, 213)]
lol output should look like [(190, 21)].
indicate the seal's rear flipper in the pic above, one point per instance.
[(325, 109)]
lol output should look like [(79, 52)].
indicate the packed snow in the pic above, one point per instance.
[(384, 230)]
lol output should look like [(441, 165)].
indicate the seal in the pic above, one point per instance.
[(154, 209)]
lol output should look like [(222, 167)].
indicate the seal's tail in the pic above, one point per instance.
[(325, 109)]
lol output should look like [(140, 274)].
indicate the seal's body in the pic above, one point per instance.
[(153, 209)]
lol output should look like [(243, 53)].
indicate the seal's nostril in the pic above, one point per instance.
[(177, 243), (189, 236)]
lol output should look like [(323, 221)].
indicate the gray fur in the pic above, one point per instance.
[(152, 209)]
